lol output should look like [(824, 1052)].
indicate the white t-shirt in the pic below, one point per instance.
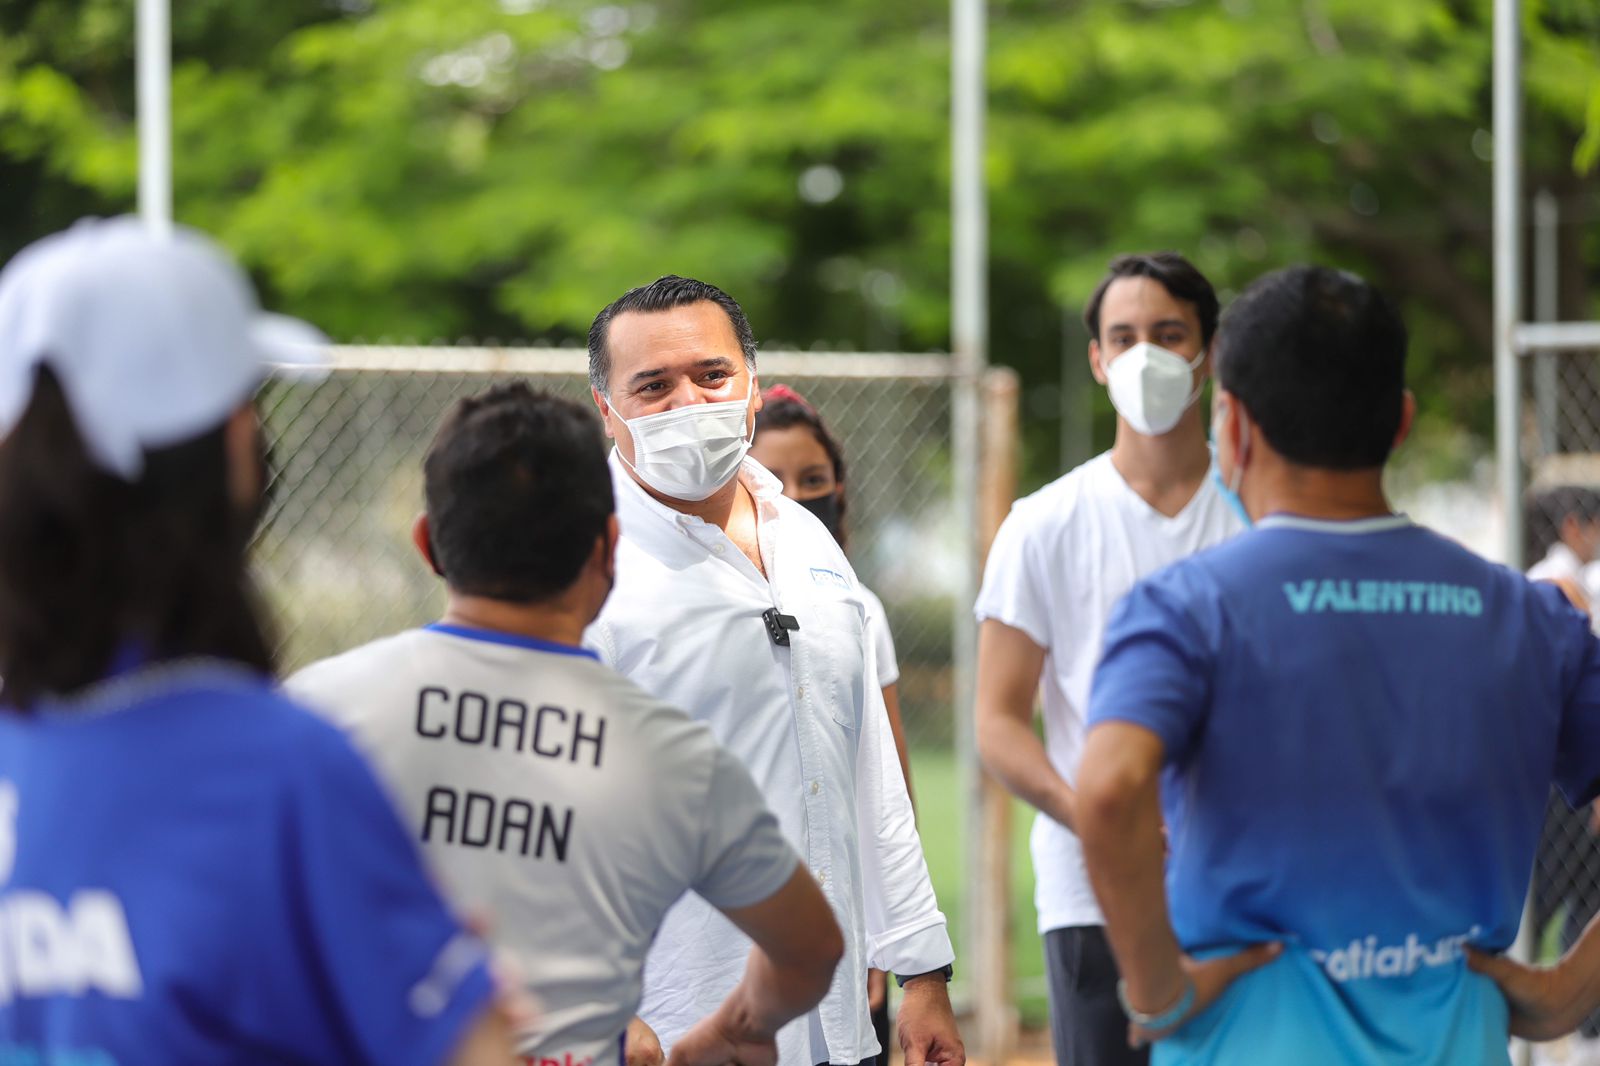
[(559, 799), (1063, 558), (1560, 561), (882, 639)]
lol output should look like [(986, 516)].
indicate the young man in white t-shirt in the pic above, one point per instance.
[(1064, 556), (550, 794)]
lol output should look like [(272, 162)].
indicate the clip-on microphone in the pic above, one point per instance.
[(779, 625)]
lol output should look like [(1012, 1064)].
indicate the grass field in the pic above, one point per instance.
[(934, 777)]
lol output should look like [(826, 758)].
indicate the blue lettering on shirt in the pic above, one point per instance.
[(1313, 596)]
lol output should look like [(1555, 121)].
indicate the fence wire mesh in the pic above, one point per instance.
[(1561, 446), (334, 556)]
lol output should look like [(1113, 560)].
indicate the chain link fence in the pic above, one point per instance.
[(1561, 516), (335, 559)]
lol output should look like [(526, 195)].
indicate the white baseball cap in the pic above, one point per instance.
[(155, 339)]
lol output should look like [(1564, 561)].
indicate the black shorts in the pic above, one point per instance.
[(1087, 1025)]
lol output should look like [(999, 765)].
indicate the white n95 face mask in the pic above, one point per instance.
[(1151, 387), (690, 452)]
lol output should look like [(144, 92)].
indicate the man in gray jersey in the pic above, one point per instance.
[(549, 792)]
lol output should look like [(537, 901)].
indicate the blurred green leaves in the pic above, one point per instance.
[(501, 168)]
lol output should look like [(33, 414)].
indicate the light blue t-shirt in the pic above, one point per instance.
[(194, 870), (1361, 722)]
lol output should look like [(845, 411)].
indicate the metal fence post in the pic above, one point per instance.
[(1508, 267), (992, 918), (154, 101), (969, 329), (1546, 293)]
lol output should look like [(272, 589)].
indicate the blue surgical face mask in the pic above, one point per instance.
[(1229, 489)]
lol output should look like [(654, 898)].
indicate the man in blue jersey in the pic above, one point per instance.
[(1327, 696)]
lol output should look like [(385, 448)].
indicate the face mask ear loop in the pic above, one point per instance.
[(1237, 480), (1200, 388)]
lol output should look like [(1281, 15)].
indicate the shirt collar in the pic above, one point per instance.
[(632, 498), (514, 640), (1377, 524)]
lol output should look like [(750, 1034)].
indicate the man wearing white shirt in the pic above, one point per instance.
[(736, 604), (1062, 559), (549, 794)]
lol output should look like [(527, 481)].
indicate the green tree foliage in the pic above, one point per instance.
[(500, 168)]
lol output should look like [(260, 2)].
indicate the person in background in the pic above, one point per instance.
[(1062, 559), (796, 447), (549, 793), (193, 869), (1349, 722), (734, 603), (1563, 527)]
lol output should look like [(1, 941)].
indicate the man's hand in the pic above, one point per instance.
[(927, 1024), (1545, 1002), (643, 1046), (1211, 978), (713, 1042)]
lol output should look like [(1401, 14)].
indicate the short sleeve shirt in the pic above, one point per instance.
[(882, 640), (1361, 721), (557, 798), (1062, 559), (193, 870)]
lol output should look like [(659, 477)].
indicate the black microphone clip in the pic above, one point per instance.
[(779, 625)]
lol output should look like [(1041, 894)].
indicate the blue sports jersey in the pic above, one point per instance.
[(1361, 722), (193, 870)]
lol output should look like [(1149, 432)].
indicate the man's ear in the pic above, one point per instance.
[(1408, 415), (1095, 366), (423, 539), (755, 390), (605, 410)]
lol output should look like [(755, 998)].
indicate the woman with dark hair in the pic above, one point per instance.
[(192, 869), (793, 442)]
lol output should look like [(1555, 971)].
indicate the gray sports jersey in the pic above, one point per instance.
[(560, 800)]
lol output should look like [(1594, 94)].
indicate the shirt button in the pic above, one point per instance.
[(716, 549), (821, 876), (816, 786), (800, 692)]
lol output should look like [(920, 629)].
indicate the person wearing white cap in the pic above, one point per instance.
[(551, 794), (736, 604), (192, 868)]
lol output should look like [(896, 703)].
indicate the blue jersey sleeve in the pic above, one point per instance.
[(358, 958), (1156, 666), (1577, 771)]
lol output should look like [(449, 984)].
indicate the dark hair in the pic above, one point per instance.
[(662, 294), (94, 569), (518, 491), (1318, 358), (1545, 513), (783, 408), (1175, 273)]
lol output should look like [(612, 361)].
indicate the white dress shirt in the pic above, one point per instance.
[(685, 623)]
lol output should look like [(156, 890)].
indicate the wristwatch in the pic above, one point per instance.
[(944, 971)]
